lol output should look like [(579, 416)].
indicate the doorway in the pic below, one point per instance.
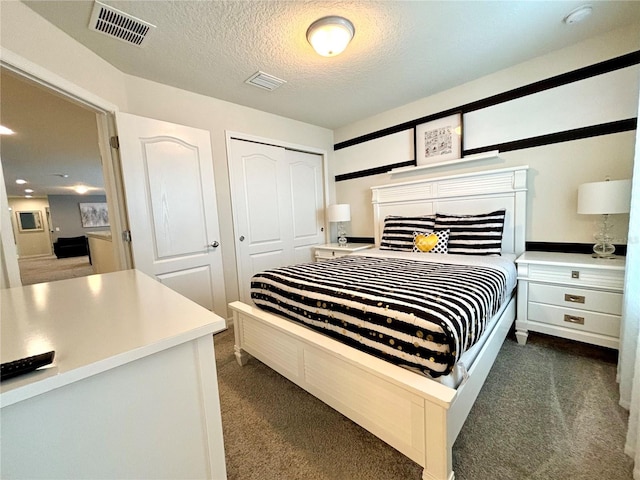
[(55, 150)]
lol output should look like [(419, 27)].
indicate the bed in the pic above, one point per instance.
[(419, 415)]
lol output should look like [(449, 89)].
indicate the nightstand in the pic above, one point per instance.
[(570, 295), (333, 250)]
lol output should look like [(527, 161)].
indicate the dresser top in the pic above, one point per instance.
[(94, 324), (571, 260)]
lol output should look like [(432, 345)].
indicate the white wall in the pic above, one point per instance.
[(163, 102), (556, 170), (28, 36)]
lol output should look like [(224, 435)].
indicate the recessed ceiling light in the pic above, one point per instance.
[(6, 131), (28, 190), (81, 189), (577, 15), (21, 181), (28, 196)]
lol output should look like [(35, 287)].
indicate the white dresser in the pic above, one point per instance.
[(570, 295), (334, 250), (132, 392)]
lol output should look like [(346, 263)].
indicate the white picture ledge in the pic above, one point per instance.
[(468, 158)]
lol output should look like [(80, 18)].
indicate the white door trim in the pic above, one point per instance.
[(105, 111), (52, 81)]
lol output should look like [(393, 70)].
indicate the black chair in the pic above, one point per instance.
[(71, 247)]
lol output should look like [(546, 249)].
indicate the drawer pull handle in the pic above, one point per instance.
[(574, 319), (573, 298)]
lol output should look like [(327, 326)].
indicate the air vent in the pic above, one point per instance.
[(120, 25), (264, 80)]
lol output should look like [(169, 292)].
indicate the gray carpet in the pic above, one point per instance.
[(549, 410), (48, 268)]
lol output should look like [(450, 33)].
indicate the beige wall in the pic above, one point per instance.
[(33, 242), (556, 170)]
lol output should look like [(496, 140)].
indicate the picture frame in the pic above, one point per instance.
[(439, 141), (94, 214), (30, 221)]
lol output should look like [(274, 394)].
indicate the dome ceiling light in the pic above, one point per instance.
[(329, 36)]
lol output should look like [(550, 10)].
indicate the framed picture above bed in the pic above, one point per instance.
[(439, 141)]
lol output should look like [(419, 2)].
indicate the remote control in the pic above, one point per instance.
[(25, 365)]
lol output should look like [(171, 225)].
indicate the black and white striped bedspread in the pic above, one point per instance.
[(418, 314)]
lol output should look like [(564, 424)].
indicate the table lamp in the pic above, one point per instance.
[(604, 198), (339, 213)]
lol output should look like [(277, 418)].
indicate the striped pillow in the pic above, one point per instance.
[(398, 231), (473, 234)]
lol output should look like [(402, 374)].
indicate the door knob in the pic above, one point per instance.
[(215, 244), (242, 238)]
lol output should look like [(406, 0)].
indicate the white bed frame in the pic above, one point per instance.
[(419, 417)]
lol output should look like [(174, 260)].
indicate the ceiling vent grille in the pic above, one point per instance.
[(264, 80), (120, 25)]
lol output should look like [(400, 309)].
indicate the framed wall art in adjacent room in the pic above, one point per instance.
[(94, 214), (439, 140), (30, 221)]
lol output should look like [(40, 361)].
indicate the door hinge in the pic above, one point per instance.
[(114, 142), (126, 236)]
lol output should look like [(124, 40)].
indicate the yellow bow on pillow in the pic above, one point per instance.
[(426, 243)]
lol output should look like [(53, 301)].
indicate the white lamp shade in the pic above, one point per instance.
[(604, 197), (329, 36), (340, 212)]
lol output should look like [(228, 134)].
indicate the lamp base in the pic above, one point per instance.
[(603, 247), (342, 239), (603, 250)]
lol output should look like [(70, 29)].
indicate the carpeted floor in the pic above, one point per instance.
[(48, 268), (548, 410)]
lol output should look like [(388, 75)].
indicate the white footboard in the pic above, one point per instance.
[(417, 416)]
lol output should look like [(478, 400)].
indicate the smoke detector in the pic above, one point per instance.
[(578, 15), (264, 80), (122, 26)]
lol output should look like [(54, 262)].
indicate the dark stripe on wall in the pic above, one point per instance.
[(361, 240), (373, 171), (587, 248), (563, 247), (627, 125), (607, 66)]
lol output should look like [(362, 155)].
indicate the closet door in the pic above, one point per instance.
[(278, 207), (307, 201)]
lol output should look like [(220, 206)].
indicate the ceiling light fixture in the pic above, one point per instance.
[(28, 190), (81, 189), (577, 15), (329, 36), (21, 181)]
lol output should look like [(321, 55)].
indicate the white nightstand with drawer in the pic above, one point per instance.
[(570, 295), (334, 250)]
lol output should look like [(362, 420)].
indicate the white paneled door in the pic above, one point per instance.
[(171, 205), (278, 206)]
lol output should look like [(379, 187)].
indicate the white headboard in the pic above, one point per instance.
[(468, 193)]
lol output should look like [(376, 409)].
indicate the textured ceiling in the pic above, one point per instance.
[(402, 51)]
